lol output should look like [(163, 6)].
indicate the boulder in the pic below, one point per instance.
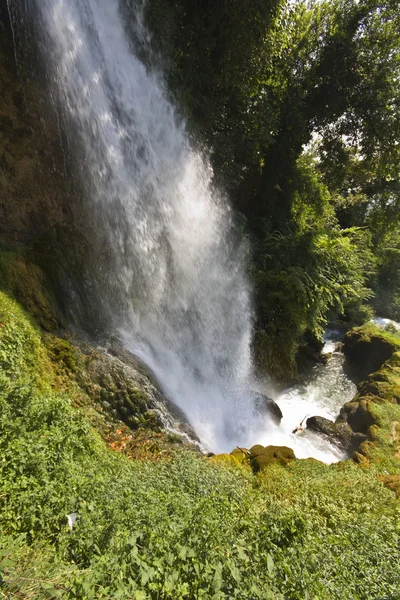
[(261, 457), (357, 414), (265, 404), (366, 348), (241, 455), (340, 434), (118, 386)]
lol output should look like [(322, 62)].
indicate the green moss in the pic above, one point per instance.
[(62, 354), (384, 451), (369, 331), (367, 348), (23, 360), (376, 408), (26, 282), (261, 457)]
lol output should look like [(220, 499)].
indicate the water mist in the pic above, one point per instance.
[(174, 277)]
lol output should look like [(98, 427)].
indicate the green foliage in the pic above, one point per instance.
[(387, 281), (305, 276), (180, 529), (299, 102), (213, 54)]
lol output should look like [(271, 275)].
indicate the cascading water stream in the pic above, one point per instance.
[(175, 275), (171, 268)]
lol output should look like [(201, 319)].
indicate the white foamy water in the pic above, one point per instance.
[(384, 322), (322, 392), (170, 269)]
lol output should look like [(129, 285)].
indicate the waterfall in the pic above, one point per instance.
[(170, 268), (173, 272)]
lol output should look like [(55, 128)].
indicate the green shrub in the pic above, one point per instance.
[(181, 528)]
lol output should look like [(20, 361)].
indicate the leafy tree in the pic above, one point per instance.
[(307, 273), (213, 55), (387, 280), (299, 102)]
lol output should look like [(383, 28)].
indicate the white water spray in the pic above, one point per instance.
[(178, 274)]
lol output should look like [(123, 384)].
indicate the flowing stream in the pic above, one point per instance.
[(171, 265), (320, 392)]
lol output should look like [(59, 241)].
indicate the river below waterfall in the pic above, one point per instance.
[(320, 392)]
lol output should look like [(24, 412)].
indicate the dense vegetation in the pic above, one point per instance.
[(181, 527), (299, 103)]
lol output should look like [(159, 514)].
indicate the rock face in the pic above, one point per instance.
[(35, 192), (261, 457), (366, 348), (123, 390), (29, 284), (264, 404), (118, 385), (122, 384), (341, 434), (38, 196)]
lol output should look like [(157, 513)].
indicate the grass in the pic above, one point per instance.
[(183, 527)]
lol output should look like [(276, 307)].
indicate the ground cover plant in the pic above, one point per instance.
[(181, 527)]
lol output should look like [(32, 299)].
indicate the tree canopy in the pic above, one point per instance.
[(299, 103)]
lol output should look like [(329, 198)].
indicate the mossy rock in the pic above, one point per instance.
[(29, 285), (261, 457), (241, 454), (225, 459), (367, 348), (120, 391), (256, 450), (340, 434), (62, 354), (374, 412), (359, 414), (385, 383)]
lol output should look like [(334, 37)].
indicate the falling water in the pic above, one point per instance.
[(170, 266), (175, 276)]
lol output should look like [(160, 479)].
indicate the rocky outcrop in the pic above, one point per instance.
[(384, 383), (258, 457), (267, 406), (366, 348), (117, 386), (357, 414), (341, 434), (35, 192), (123, 391), (373, 358), (261, 457)]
